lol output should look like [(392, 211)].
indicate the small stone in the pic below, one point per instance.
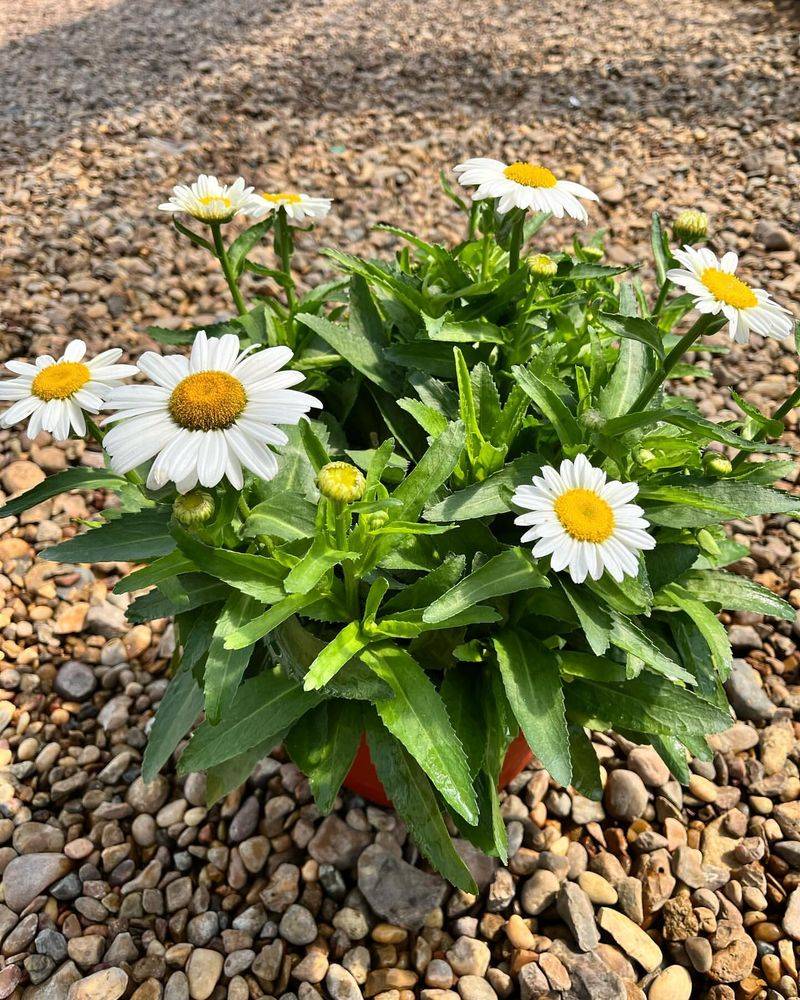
[(703, 789), (335, 843), (700, 953), (791, 918), (340, 984), (108, 984), (297, 926), (674, 983), (733, 962), (475, 988), (539, 892), (533, 982), (687, 865), (625, 795), (29, 875), (645, 762), (680, 920), (575, 909), (777, 742), (396, 891), (469, 957), (787, 816), (203, 971), (148, 798), (75, 681), (17, 477), (312, 968), (599, 890), (747, 696), (632, 939), (38, 838)]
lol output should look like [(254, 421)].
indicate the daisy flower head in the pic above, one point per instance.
[(56, 393), (209, 201), (208, 416), (524, 185), (584, 523), (297, 206), (716, 289)]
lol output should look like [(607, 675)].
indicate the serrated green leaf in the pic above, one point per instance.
[(533, 685), (340, 650), (634, 328), (323, 745), (163, 568), (585, 767), (267, 622), (128, 538), (176, 713), (257, 576), (225, 667), (488, 497), (550, 404), (172, 597), (62, 482), (594, 619), (736, 593), (288, 516)]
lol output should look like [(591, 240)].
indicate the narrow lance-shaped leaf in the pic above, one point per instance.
[(533, 684), (130, 537), (339, 651), (176, 713), (417, 717), (225, 667), (323, 744), (62, 482)]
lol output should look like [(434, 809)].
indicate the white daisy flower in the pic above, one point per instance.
[(206, 416), (582, 522), (524, 185), (298, 206), (715, 288), (210, 201), (55, 393)]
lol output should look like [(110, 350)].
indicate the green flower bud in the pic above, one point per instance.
[(644, 455), (593, 419), (592, 254), (377, 519), (690, 227), (541, 266), (716, 464), (707, 542), (194, 508), (341, 481)]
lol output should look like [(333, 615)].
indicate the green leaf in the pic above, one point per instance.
[(63, 482), (417, 717), (673, 755), (257, 576), (320, 557), (230, 774), (364, 355), (688, 421), (176, 713), (172, 597), (432, 470), (590, 272), (323, 745), (426, 589), (315, 449), (736, 593), (488, 497), (659, 245), (128, 538), (267, 622), (697, 503), (668, 562), (646, 704), (630, 374), (711, 628), (288, 516), (550, 404), (440, 255), (163, 568), (628, 636), (595, 668), (263, 708), (224, 667), (594, 619), (245, 241), (456, 331), (585, 767), (430, 420), (413, 797), (634, 328), (510, 572), (533, 685), (696, 656), (339, 651)]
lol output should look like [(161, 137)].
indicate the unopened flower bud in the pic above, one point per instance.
[(644, 455), (377, 519), (541, 266), (707, 542), (341, 481), (690, 227), (194, 508), (593, 419), (592, 254), (716, 464)]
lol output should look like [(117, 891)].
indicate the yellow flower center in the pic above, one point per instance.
[(584, 515), (728, 288), (61, 380), (530, 174), (207, 401), (281, 198), (215, 199)]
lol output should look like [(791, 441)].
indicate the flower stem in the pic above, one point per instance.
[(283, 240), (662, 295), (788, 404), (517, 234), (341, 517), (661, 374), (227, 270)]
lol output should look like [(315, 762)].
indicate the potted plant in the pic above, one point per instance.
[(482, 528)]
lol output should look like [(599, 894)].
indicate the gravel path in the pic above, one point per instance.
[(112, 889)]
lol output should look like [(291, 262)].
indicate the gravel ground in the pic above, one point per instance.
[(112, 889)]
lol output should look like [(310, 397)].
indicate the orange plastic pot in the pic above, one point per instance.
[(364, 781)]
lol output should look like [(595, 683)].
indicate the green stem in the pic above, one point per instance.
[(473, 218), (227, 270), (661, 374), (788, 404), (341, 516), (662, 295), (517, 233), (284, 241), (485, 255)]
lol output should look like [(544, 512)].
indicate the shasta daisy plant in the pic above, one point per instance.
[(486, 517)]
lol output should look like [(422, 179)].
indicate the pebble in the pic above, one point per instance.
[(632, 939), (674, 983), (30, 874), (297, 925), (625, 795), (108, 984), (202, 972)]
